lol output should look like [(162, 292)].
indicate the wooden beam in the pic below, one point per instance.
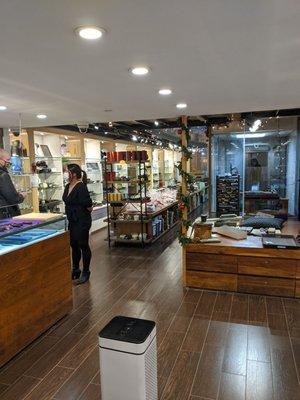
[(1, 138), (184, 169), (184, 192)]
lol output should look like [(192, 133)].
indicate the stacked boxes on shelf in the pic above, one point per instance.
[(158, 226), (228, 195)]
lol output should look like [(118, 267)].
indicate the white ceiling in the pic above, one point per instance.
[(219, 56)]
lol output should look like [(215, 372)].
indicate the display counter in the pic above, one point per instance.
[(36, 288), (129, 226), (244, 266)]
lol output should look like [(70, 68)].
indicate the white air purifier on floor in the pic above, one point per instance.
[(128, 360)]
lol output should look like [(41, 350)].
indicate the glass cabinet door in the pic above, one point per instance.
[(264, 159)]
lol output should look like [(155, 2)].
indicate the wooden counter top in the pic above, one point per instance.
[(249, 246), (244, 266)]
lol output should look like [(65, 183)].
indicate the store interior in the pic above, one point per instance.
[(149, 200), (136, 183)]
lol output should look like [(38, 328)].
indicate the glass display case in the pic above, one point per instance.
[(21, 171), (169, 168), (50, 187), (264, 159), (23, 231), (155, 169)]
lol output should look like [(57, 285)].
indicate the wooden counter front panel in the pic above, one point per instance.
[(297, 291), (211, 262), (36, 292), (211, 280), (266, 285), (264, 266)]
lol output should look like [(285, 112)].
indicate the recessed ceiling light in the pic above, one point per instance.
[(140, 71), (90, 32), (3, 108), (181, 105), (165, 92), (41, 116)]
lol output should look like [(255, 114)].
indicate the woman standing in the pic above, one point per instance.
[(78, 209)]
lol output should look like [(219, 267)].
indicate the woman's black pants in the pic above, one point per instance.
[(79, 242)]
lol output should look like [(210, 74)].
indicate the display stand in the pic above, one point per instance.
[(93, 168), (48, 161), (155, 169), (228, 195), (118, 199), (169, 178), (21, 173)]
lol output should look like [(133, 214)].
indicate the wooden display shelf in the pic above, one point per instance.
[(130, 201), (162, 210), (244, 266), (131, 241), (165, 231), (146, 223)]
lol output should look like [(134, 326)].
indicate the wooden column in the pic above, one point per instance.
[(184, 192), (1, 138), (184, 169), (82, 154)]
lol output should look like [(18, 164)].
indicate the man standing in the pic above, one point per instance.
[(9, 197)]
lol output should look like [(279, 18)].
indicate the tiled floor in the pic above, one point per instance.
[(210, 345)]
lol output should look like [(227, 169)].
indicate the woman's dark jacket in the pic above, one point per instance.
[(8, 195), (77, 204)]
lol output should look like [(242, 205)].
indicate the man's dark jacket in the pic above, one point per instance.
[(8, 195)]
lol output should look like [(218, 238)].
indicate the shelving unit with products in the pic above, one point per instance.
[(164, 171), (135, 214), (155, 169), (169, 173), (161, 168), (126, 182), (93, 168), (21, 172), (177, 159), (228, 195), (48, 161)]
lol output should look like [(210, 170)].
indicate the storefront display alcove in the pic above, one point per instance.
[(263, 161), (252, 174)]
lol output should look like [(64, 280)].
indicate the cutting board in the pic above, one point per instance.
[(38, 216)]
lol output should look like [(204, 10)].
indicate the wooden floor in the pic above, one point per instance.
[(210, 345)]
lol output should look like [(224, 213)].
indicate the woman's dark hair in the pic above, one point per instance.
[(80, 174)]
